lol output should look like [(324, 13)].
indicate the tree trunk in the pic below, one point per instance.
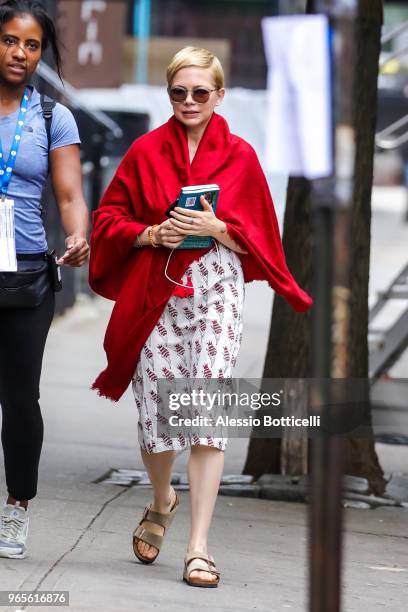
[(361, 457), (289, 345)]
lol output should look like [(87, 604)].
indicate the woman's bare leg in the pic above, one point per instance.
[(158, 466), (205, 467)]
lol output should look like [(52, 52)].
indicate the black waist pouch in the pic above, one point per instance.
[(28, 287)]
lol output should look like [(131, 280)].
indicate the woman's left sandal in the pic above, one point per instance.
[(194, 561), (153, 539)]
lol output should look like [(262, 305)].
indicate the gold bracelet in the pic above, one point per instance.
[(150, 234)]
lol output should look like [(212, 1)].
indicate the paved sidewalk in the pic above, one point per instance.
[(80, 533)]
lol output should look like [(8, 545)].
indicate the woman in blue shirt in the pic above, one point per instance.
[(25, 31)]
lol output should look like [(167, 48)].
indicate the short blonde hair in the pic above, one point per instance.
[(201, 58)]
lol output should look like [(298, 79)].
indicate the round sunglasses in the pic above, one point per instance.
[(199, 94)]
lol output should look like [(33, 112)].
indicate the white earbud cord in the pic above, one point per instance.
[(182, 284)]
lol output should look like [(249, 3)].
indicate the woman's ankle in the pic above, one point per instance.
[(163, 501), (200, 545), (14, 502)]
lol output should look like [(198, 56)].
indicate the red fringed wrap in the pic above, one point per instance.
[(148, 179)]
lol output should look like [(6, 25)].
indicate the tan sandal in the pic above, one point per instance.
[(145, 535), (194, 561)]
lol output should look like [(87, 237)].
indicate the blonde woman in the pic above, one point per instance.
[(186, 323)]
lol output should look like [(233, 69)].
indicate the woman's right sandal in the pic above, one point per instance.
[(145, 535), (194, 561)]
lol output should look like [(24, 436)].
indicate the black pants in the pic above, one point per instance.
[(23, 333)]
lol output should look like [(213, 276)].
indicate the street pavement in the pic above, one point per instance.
[(80, 530)]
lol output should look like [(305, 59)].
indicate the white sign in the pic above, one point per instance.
[(8, 260), (91, 49), (299, 117)]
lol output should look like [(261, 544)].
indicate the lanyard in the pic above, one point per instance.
[(6, 168)]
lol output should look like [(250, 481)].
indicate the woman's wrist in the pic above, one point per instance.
[(142, 239), (148, 237), (221, 227)]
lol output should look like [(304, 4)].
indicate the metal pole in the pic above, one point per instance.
[(141, 29), (331, 315), (322, 352)]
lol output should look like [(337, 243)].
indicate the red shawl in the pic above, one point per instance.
[(147, 181)]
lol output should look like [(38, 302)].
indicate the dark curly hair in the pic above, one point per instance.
[(13, 8)]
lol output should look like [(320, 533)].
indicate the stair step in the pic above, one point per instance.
[(392, 345), (394, 295)]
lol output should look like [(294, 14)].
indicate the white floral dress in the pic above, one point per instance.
[(197, 336)]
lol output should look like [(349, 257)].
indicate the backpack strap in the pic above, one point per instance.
[(47, 105)]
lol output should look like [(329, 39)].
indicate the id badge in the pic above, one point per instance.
[(8, 259)]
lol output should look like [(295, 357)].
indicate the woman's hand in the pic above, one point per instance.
[(77, 252), (197, 222), (167, 235)]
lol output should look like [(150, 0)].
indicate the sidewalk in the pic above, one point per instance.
[(80, 535)]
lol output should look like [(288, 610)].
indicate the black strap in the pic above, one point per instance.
[(31, 256), (47, 105)]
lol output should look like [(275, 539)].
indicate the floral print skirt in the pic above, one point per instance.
[(197, 336)]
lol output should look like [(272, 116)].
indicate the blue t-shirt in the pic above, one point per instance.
[(31, 168)]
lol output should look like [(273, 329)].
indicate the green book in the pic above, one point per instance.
[(189, 198)]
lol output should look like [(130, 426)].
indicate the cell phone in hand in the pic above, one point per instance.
[(171, 207)]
